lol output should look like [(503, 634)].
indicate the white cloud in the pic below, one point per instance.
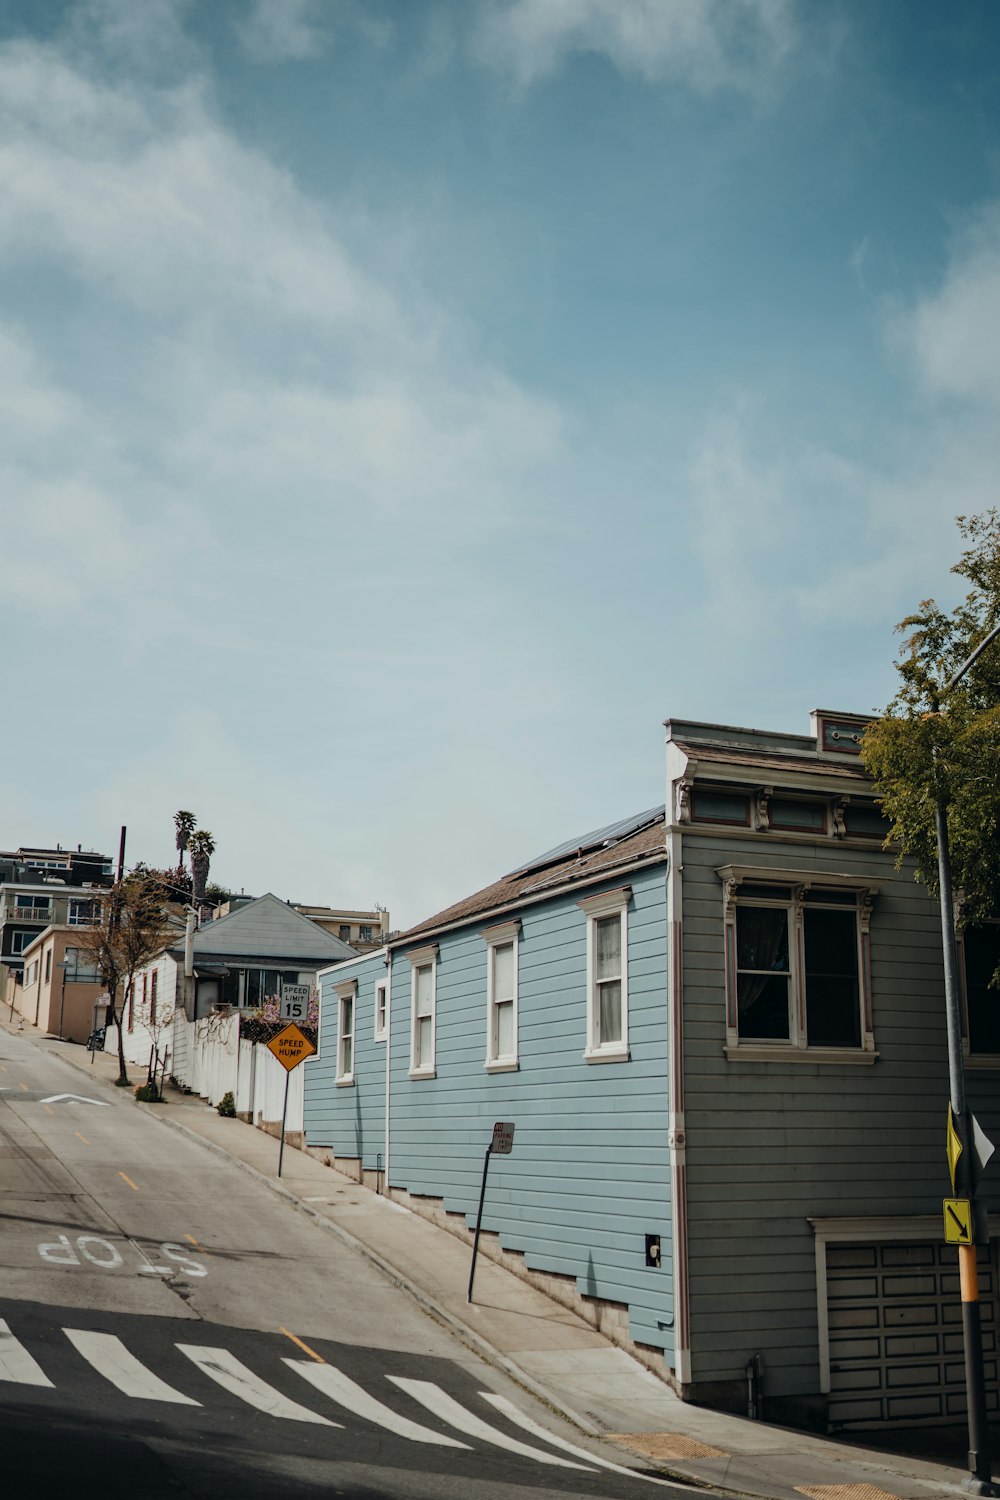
[(711, 44), (951, 337), (253, 357), (943, 459), (297, 30), (284, 30)]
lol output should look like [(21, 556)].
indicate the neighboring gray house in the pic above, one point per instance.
[(719, 1030), (238, 960)]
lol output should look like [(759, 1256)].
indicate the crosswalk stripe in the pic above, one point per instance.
[(443, 1406), (342, 1389), (234, 1377), (515, 1414), (16, 1364), (110, 1358)]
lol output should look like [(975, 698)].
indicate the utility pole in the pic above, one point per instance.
[(980, 1481)]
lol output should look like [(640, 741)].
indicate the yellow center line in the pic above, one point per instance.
[(25, 1087), (48, 1109), (3, 1067), (311, 1352), (83, 1138), (197, 1244), (125, 1178)]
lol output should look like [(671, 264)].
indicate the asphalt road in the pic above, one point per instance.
[(169, 1327)]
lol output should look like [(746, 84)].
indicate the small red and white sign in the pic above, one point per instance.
[(503, 1138)]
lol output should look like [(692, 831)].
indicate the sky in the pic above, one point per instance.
[(407, 405)]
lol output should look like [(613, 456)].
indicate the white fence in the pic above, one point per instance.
[(209, 1058)]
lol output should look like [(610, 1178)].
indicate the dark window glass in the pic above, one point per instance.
[(785, 812), (833, 1014), (720, 807), (865, 821), (982, 955), (762, 972)]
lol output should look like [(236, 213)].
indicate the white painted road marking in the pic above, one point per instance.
[(111, 1359), (16, 1364), (234, 1377), (80, 1099), (441, 1404), (340, 1388), (514, 1414)]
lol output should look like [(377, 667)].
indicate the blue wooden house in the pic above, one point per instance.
[(718, 1027)]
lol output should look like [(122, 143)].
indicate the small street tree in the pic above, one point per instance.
[(134, 927), (934, 742)]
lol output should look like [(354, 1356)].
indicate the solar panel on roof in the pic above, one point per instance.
[(595, 840)]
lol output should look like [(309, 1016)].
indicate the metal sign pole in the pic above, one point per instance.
[(479, 1218), (284, 1112)]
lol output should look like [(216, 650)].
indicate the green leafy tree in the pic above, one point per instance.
[(934, 741)]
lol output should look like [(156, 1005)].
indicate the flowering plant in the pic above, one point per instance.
[(264, 1022)]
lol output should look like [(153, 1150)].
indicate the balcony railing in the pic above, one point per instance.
[(14, 913)]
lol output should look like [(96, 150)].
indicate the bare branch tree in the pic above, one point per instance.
[(134, 927)]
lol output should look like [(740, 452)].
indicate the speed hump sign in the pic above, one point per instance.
[(291, 1047)]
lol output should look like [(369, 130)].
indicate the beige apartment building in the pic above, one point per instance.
[(59, 987)]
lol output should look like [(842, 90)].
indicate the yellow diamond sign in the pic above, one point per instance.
[(291, 1047), (954, 1147)]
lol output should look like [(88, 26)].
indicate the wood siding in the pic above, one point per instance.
[(349, 1120), (771, 1144), (588, 1178)]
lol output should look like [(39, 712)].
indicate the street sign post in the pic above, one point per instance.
[(502, 1144), (291, 1047), (958, 1221), (294, 1002)]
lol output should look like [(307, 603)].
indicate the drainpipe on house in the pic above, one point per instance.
[(388, 1052)]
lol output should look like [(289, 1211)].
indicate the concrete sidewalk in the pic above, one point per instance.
[(545, 1347)]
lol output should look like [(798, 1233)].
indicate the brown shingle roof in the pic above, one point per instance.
[(646, 845)]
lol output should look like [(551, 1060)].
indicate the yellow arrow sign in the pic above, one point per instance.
[(954, 1147), (958, 1221)]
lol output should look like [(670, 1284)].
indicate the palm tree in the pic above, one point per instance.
[(184, 823), (201, 847)]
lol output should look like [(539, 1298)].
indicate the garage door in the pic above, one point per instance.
[(895, 1321)]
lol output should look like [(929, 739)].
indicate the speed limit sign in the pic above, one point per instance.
[(294, 1002)]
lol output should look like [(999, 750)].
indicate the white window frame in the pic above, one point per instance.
[(504, 934), (859, 892), (423, 958), (381, 1009), (347, 995), (596, 908)]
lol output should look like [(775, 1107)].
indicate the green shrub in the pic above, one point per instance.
[(147, 1093), (227, 1106)]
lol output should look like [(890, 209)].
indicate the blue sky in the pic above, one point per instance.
[(405, 407)]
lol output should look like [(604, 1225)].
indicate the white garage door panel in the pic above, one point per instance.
[(896, 1351)]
